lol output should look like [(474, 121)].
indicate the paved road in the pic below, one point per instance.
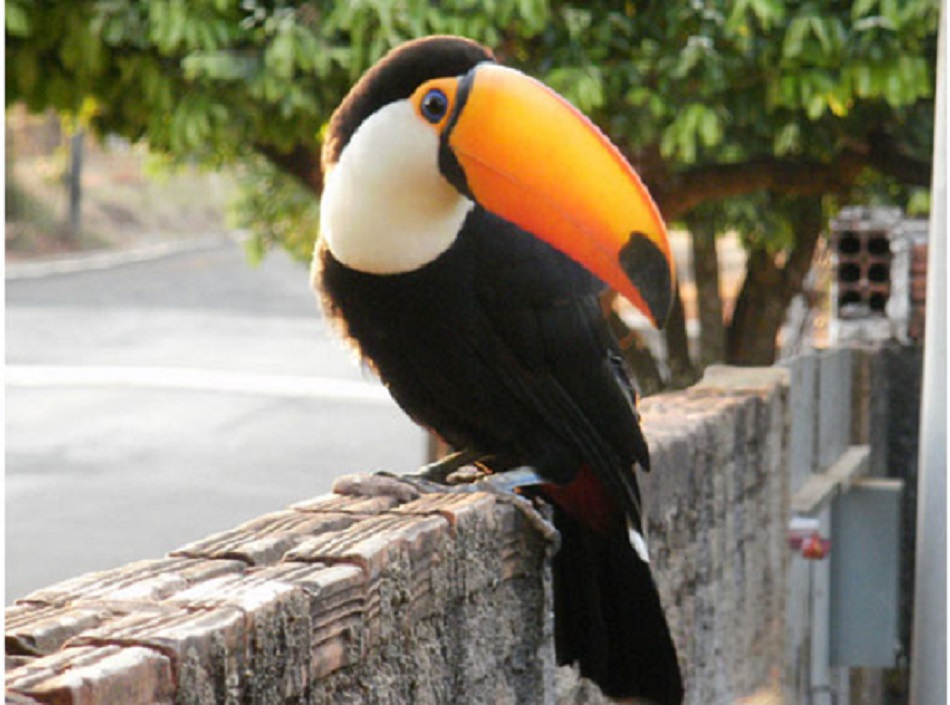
[(152, 403)]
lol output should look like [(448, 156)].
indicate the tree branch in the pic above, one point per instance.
[(685, 191), (680, 193), (885, 156), (675, 195)]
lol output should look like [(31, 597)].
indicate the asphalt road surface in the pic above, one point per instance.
[(151, 403)]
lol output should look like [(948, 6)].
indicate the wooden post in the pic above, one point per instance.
[(74, 184)]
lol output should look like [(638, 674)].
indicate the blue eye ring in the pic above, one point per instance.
[(434, 106)]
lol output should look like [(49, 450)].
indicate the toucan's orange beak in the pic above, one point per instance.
[(533, 159)]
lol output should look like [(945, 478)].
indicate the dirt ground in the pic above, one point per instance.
[(128, 198)]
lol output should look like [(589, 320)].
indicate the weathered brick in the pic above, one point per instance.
[(456, 507), (37, 629), (371, 543), (207, 649), (96, 674), (394, 552), (337, 596), (137, 583), (276, 627), (347, 504), (265, 539)]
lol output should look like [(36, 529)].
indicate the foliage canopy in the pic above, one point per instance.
[(730, 109)]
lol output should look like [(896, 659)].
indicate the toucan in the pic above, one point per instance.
[(470, 219)]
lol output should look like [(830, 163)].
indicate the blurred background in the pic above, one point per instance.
[(167, 371), (160, 387)]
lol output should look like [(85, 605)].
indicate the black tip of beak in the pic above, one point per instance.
[(649, 269)]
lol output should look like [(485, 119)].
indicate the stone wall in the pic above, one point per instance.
[(717, 514), (441, 598), (336, 600)]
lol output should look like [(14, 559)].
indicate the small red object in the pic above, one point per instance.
[(814, 547)]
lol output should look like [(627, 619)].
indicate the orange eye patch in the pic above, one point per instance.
[(434, 100)]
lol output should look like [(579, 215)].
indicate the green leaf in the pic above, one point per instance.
[(820, 30), (862, 8), (25, 66), (696, 124), (890, 10), (709, 128), (16, 19), (769, 13), (815, 106), (861, 77), (787, 140), (795, 38)]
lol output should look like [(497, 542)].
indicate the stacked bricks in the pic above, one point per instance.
[(879, 261), (439, 598), (918, 292), (861, 241)]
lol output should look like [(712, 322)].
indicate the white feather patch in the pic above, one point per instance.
[(386, 208), (638, 543)]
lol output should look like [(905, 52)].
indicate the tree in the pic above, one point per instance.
[(755, 115), (748, 115)]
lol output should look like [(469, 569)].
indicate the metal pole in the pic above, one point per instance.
[(928, 681), (75, 184)]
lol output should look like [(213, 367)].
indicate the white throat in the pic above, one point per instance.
[(386, 208)]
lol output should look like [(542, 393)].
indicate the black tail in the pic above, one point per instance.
[(608, 617)]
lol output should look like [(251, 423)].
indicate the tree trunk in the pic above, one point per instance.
[(712, 330), (636, 353), (768, 289), (682, 371), (758, 313), (646, 372), (300, 161)]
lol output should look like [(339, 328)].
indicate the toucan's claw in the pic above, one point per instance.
[(467, 474), (502, 486), (506, 486), (534, 513), (444, 469)]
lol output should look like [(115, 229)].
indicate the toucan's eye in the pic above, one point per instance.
[(434, 106)]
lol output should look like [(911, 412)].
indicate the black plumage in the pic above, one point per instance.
[(499, 346)]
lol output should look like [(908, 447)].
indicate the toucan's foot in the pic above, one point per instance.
[(504, 486), (404, 488), (469, 474), (456, 468)]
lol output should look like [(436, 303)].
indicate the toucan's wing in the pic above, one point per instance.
[(553, 350)]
